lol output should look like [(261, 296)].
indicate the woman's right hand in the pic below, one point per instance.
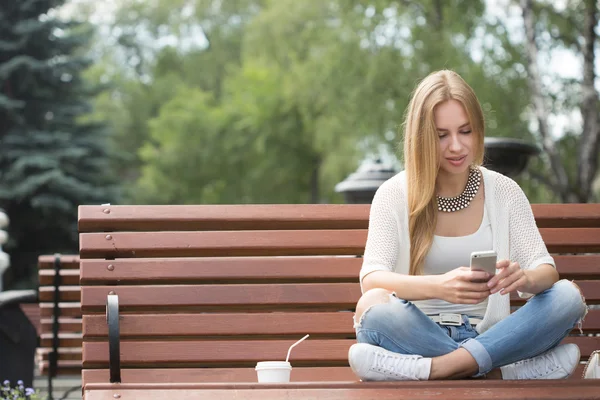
[(463, 286)]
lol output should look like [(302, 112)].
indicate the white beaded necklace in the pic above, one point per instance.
[(452, 204)]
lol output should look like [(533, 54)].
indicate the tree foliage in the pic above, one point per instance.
[(276, 101)]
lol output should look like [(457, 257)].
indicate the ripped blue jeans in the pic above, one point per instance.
[(536, 327)]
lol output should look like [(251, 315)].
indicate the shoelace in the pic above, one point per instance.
[(540, 365), (396, 364)]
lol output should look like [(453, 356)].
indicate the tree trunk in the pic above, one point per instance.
[(589, 144), (314, 181), (560, 181)]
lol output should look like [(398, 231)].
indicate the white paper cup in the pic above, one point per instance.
[(273, 371)]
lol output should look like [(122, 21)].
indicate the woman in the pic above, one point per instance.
[(424, 314)]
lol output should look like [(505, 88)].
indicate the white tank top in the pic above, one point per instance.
[(448, 253)]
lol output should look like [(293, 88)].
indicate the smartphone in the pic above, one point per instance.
[(484, 261)]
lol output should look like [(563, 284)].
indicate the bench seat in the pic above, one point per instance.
[(463, 389)]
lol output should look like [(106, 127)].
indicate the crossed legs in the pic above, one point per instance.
[(384, 320)]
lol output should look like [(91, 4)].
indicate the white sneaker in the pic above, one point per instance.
[(373, 363), (556, 363)]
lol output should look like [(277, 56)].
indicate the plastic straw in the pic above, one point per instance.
[(292, 346)]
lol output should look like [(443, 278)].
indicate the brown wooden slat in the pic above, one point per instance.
[(68, 353), (222, 243), (217, 217), (253, 243), (567, 215), (67, 277), (243, 353), (286, 216), (209, 352), (64, 340), (356, 384), (578, 266), (67, 309), (67, 261), (65, 324), (262, 269), (571, 240), (65, 367), (330, 295), (461, 389), (226, 269), (180, 295), (295, 323), (292, 393), (228, 375), (192, 375), (339, 296), (67, 293), (292, 323), (587, 344)]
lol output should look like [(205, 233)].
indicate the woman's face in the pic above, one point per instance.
[(457, 142)]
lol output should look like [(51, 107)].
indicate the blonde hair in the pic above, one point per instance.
[(421, 153)]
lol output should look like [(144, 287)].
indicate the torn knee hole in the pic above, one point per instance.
[(579, 289), (580, 322), (369, 301)]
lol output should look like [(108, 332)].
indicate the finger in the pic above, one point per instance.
[(502, 264), (474, 276), (476, 287), (504, 272), (509, 280), (472, 286), (514, 286)]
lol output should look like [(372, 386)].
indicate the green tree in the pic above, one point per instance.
[(51, 159), (303, 89), (351, 68), (309, 88), (573, 28), (146, 74)]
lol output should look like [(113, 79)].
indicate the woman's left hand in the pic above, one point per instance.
[(509, 278)]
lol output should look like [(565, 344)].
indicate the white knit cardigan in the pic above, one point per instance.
[(515, 233)]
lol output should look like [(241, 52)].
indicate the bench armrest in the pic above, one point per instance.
[(114, 345), (15, 297)]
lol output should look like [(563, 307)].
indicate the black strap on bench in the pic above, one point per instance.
[(114, 347), (53, 356)]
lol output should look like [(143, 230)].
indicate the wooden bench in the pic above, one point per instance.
[(69, 314), (205, 292)]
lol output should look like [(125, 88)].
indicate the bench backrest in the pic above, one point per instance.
[(207, 291), (69, 311)]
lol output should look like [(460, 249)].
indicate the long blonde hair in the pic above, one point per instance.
[(421, 153)]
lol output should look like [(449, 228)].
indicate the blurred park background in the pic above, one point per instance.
[(268, 101)]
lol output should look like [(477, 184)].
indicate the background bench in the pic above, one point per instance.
[(207, 291), (69, 309)]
